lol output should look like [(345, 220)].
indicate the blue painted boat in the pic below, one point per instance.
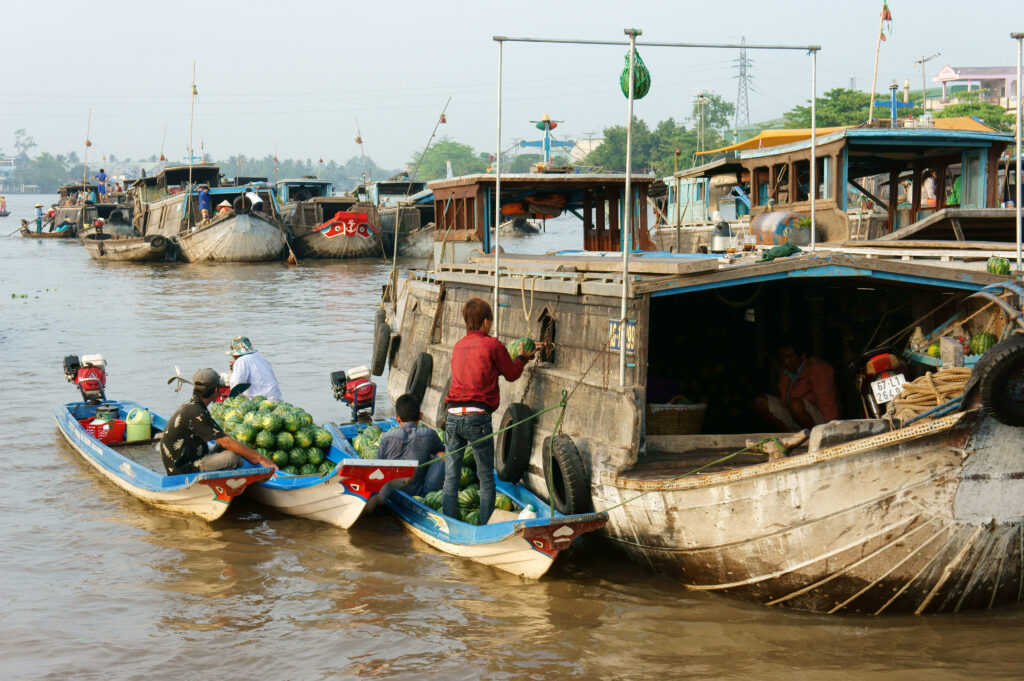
[(525, 547), (137, 468)]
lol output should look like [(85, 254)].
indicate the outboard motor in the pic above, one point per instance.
[(90, 375), (355, 389)]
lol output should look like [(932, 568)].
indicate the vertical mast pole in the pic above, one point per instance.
[(814, 144), (627, 228), (497, 206), (874, 74), (1019, 37), (85, 157), (191, 119)]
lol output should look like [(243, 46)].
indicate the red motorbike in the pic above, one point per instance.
[(881, 374)]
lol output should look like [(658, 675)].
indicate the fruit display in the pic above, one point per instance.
[(998, 265), (367, 442), (283, 433), (982, 343)]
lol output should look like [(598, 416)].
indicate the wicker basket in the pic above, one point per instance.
[(675, 419)]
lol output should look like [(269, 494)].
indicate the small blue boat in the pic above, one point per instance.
[(136, 467)]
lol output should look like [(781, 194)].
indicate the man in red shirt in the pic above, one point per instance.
[(477, 360), (807, 391)]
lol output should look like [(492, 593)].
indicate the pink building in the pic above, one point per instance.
[(999, 81)]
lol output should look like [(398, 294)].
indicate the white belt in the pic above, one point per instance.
[(466, 410)]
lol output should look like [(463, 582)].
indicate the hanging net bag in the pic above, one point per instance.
[(641, 77)]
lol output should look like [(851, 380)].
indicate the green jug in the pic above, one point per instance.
[(139, 425)]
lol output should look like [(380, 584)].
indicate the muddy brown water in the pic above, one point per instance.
[(96, 585)]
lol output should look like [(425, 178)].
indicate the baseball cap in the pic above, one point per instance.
[(205, 378)]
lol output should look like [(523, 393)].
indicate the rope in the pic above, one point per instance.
[(527, 315), (932, 390)]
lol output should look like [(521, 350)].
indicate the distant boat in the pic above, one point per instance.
[(324, 225), (137, 249), (28, 233)]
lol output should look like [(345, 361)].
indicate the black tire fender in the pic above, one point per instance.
[(514, 446), (241, 205), (1000, 380), (566, 476), (419, 377), (381, 337)]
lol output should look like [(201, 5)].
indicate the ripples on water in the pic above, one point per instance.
[(97, 585)]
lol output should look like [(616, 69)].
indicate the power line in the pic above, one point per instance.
[(742, 113)]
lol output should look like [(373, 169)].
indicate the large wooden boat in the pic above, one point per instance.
[(137, 249), (137, 468), (402, 209), (164, 206), (81, 216), (865, 516), (327, 226)]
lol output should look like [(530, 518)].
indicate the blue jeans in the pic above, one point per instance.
[(460, 431)]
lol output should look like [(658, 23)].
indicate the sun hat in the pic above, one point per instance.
[(38, 205), (240, 345), (206, 378), (224, 204)]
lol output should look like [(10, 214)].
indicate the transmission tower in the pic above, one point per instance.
[(743, 81)]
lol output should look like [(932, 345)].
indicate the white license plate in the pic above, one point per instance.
[(886, 389)]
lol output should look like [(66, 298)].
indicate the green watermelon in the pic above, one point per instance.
[(307, 420), (262, 451), (933, 349), (280, 458), (292, 422), (314, 456), (285, 440), (982, 343), (504, 502), (297, 457), (434, 499), (998, 265), (250, 419), (281, 411), (260, 399), (440, 434), (521, 346), (467, 477), (304, 438), (290, 470), (231, 414), (471, 517), (469, 498), (323, 438), (245, 408), (271, 422), (245, 433), (265, 439), (308, 469), (326, 467)]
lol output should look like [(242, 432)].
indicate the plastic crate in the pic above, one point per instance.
[(107, 432)]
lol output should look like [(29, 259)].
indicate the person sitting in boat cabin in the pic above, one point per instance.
[(204, 203), (183, 445), (249, 366), (92, 197), (224, 207), (477, 361), (413, 442), (807, 391), (101, 181)]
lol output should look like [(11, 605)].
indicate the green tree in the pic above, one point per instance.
[(992, 115), (23, 141), (45, 171), (653, 151), (717, 112), (839, 106), (522, 163), (433, 163)]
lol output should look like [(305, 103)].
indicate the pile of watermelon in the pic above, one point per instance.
[(367, 442), (279, 431), (469, 497)]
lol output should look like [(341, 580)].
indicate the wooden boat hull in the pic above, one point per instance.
[(315, 244), (928, 518), (418, 244), (139, 249), (239, 238), (115, 229), (526, 548), (206, 495), (30, 234)]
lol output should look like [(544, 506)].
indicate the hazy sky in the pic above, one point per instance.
[(299, 74)]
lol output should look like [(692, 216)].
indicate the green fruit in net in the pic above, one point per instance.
[(285, 440), (308, 469), (521, 346), (297, 457), (504, 502), (998, 265), (265, 439), (271, 422), (304, 438), (245, 433), (292, 422), (982, 343), (322, 438), (466, 477), (290, 470), (314, 456), (933, 349), (280, 458), (471, 517)]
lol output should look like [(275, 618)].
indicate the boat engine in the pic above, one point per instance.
[(355, 389), (90, 375)]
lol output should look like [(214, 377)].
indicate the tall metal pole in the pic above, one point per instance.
[(1019, 37), (497, 207), (85, 157), (191, 155), (627, 228), (814, 145)]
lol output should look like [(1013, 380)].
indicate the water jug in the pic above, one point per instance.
[(139, 425), (528, 512)]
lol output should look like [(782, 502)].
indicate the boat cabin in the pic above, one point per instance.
[(304, 189)]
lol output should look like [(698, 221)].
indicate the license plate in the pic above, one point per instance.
[(886, 389)]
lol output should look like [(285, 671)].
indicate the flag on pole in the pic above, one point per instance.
[(886, 19)]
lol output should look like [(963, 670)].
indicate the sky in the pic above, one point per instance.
[(297, 78)]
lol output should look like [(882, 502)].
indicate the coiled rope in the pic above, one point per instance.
[(933, 389)]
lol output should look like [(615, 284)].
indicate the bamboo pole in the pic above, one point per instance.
[(191, 154), (626, 231), (85, 156), (1019, 37), (814, 145), (497, 208), (874, 75)]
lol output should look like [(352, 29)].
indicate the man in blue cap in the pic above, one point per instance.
[(249, 366)]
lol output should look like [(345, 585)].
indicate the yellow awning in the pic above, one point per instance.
[(963, 123), (775, 138)]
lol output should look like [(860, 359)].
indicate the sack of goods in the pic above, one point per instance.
[(279, 431)]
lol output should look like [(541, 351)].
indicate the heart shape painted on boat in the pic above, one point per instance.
[(563, 531), (235, 483), (378, 475)]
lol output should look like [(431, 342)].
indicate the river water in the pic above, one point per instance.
[(96, 585)]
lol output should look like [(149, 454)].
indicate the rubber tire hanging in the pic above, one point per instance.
[(514, 446), (381, 338), (566, 476), (1000, 377), (419, 377)]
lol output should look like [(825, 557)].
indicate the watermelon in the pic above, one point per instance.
[(308, 469), (245, 408), (323, 438), (521, 346), (245, 433), (292, 422), (998, 265), (271, 422), (314, 456), (303, 438), (290, 470), (307, 420), (231, 414), (265, 439), (504, 502), (260, 399), (933, 349), (982, 343), (471, 517), (297, 457), (469, 498), (418, 498), (281, 410), (280, 458), (262, 451), (440, 434), (285, 440), (326, 467), (467, 477)]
